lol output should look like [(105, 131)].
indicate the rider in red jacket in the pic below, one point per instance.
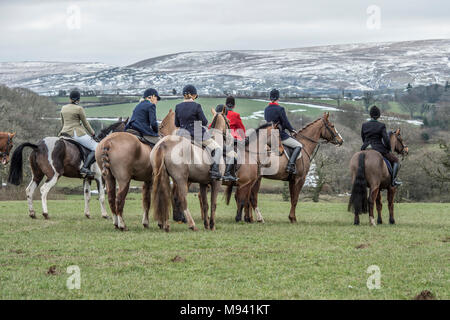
[(236, 125)]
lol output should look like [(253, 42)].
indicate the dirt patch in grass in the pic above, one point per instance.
[(425, 295), (52, 271), (177, 259), (446, 239), (362, 246)]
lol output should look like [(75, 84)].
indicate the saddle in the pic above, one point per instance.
[(140, 137), (83, 150)]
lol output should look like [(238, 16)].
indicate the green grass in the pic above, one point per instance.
[(314, 259), (245, 107)]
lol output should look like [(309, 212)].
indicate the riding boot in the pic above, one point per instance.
[(215, 172), (85, 171), (230, 173), (395, 169), (290, 168)]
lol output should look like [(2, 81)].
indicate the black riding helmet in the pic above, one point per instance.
[(230, 103), (274, 95), (75, 95), (189, 89), (375, 112), (151, 92)]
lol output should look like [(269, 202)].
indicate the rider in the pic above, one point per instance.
[(374, 133), (143, 119), (276, 114), (71, 116), (236, 125), (186, 113)]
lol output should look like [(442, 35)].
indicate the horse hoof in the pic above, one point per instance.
[(116, 226), (160, 226), (213, 228), (293, 220), (123, 229), (167, 229), (260, 221), (238, 219), (32, 215), (105, 217), (193, 228), (46, 217), (392, 221), (145, 225), (87, 216), (379, 221)]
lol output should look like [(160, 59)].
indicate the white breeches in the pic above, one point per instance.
[(86, 140)]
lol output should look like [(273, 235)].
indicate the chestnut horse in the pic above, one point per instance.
[(171, 157), (122, 157), (54, 157), (309, 136), (6, 144), (370, 171)]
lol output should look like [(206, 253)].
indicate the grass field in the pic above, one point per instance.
[(317, 258), (246, 107)]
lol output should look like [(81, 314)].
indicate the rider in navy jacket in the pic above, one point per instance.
[(144, 118), (186, 113)]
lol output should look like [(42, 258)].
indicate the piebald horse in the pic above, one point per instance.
[(55, 157), (176, 157), (309, 136), (6, 144), (123, 158), (370, 171)]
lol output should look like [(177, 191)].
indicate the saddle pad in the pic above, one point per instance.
[(288, 151), (141, 138), (388, 164)]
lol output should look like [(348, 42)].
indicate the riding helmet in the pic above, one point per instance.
[(230, 103), (274, 95), (189, 89), (375, 112), (151, 92), (219, 108), (75, 95)]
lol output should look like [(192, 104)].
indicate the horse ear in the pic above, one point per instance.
[(13, 135), (170, 111), (224, 110), (120, 119), (213, 111), (398, 131)]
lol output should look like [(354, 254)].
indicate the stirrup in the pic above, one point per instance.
[(86, 173)]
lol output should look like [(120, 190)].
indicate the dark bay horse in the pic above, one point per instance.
[(122, 158), (6, 144), (370, 171), (54, 157), (177, 158), (309, 136)]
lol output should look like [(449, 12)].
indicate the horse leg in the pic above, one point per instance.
[(46, 187), (239, 204), (379, 208), (372, 198), (120, 202), (111, 190), (294, 188), (182, 190), (391, 194), (146, 201), (215, 185), (356, 220), (254, 200), (101, 197), (35, 180), (203, 197), (87, 197)]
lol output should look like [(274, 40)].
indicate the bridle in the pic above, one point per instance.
[(4, 154)]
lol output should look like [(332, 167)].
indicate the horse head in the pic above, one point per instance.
[(118, 126), (6, 147), (167, 125), (221, 124), (397, 143), (329, 132)]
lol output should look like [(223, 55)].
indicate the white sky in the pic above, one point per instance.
[(124, 32)]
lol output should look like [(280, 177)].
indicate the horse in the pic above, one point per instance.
[(54, 157), (167, 161), (369, 170), (122, 157), (309, 136), (6, 144)]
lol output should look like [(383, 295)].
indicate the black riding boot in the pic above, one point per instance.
[(230, 172), (85, 171), (395, 169), (290, 168), (215, 172)]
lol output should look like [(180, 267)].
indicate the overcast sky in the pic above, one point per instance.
[(124, 32)]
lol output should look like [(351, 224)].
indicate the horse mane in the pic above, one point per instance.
[(308, 125), (214, 121), (104, 132), (263, 126)]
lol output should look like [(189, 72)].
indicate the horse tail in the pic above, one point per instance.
[(358, 199), (228, 193), (161, 191), (105, 158), (16, 168)]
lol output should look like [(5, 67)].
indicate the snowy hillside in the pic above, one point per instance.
[(313, 69)]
